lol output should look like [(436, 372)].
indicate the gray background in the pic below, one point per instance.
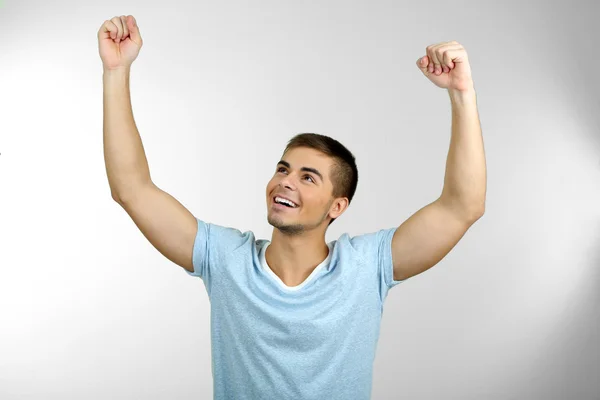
[(90, 310)]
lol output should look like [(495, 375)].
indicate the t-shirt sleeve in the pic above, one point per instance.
[(376, 249), (385, 262), (212, 246), (200, 250)]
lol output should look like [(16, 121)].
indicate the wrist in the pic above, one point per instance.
[(116, 76), (116, 70), (464, 96)]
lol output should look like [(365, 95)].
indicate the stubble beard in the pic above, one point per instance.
[(293, 229)]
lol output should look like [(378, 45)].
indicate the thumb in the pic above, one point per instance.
[(134, 32), (422, 63)]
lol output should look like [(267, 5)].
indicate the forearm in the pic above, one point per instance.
[(465, 179), (124, 157)]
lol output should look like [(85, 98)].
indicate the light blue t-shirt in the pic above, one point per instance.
[(313, 341)]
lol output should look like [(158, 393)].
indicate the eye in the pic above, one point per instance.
[(280, 169)]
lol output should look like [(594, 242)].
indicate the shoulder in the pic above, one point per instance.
[(367, 243), (223, 237)]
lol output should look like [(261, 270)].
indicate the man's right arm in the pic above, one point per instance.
[(163, 220)]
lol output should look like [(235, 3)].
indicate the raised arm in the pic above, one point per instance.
[(425, 238), (163, 220)]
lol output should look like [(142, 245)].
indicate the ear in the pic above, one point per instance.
[(338, 207)]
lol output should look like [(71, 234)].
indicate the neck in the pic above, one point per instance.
[(293, 258)]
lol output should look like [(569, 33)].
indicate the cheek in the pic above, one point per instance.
[(314, 205), (270, 186)]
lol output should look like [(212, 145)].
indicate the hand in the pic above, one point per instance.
[(447, 66), (119, 42)]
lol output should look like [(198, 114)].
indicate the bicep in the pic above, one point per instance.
[(164, 221), (425, 238)]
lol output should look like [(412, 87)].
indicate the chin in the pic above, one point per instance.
[(279, 223)]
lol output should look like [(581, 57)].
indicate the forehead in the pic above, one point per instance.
[(306, 156)]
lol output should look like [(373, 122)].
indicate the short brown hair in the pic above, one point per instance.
[(344, 174)]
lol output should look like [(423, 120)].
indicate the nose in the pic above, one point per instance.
[(286, 185), (287, 182)]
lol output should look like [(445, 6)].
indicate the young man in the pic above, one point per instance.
[(295, 317)]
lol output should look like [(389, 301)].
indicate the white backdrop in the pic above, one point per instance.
[(90, 310)]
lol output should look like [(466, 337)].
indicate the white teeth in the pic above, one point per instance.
[(282, 200)]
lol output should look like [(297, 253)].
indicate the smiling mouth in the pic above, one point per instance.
[(284, 204), (278, 206)]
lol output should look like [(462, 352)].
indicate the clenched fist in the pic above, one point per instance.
[(119, 42), (446, 64)]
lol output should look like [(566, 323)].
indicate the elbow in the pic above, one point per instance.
[(470, 211), (473, 213), (475, 209), (477, 213), (115, 196)]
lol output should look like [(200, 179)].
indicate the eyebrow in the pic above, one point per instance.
[(307, 169)]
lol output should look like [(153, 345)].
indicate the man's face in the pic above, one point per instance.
[(302, 176)]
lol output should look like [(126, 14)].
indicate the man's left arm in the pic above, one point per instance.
[(428, 235)]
